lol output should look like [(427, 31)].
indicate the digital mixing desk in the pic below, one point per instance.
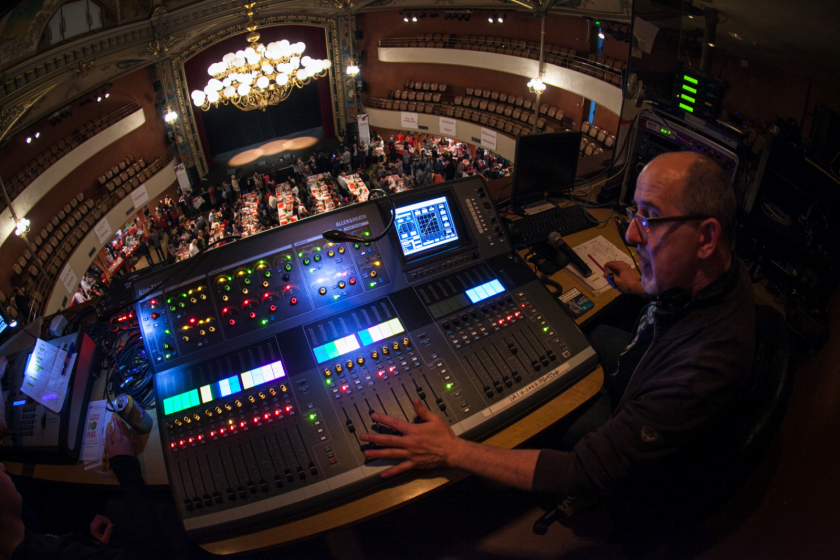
[(271, 353)]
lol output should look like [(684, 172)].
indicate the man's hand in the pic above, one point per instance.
[(624, 276), (120, 441), (423, 446), (101, 529)]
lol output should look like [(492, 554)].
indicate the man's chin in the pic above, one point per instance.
[(649, 286)]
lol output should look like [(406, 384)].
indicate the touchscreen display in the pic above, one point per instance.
[(425, 225)]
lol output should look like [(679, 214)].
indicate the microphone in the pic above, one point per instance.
[(557, 240)]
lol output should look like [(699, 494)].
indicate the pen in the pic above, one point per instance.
[(67, 358), (596, 262)]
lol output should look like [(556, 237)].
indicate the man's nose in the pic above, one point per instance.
[(634, 235)]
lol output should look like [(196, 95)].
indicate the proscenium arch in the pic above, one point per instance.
[(179, 75)]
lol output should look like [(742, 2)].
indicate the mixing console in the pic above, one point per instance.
[(272, 353)]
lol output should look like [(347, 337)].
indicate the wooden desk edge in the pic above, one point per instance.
[(392, 497)]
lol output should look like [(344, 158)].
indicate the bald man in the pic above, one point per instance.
[(677, 383)]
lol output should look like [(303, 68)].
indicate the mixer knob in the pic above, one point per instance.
[(228, 407), (455, 321), (406, 342), (385, 350), (341, 250), (338, 368), (341, 285), (473, 313), (373, 274), (202, 332), (327, 372), (266, 284), (350, 364), (245, 291), (322, 290), (251, 398), (238, 403), (330, 253), (187, 419), (218, 410), (186, 339), (211, 329), (193, 300), (261, 395), (374, 354), (272, 392), (396, 345), (177, 422), (464, 317), (208, 413), (197, 418), (170, 425), (360, 360), (225, 298), (283, 388)]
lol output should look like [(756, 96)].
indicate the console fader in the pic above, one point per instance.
[(271, 354)]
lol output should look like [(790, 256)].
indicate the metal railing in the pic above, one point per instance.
[(511, 47)]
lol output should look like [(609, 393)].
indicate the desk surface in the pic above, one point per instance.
[(402, 491)]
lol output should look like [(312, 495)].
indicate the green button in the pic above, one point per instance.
[(268, 274), (288, 267), (306, 261), (356, 245), (317, 258)]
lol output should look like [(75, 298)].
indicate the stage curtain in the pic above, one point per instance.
[(313, 37)]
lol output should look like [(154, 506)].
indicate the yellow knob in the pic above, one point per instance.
[(261, 395), (396, 345), (360, 360), (341, 250), (374, 354), (245, 291), (322, 291), (238, 403), (330, 253), (187, 419), (283, 388), (218, 410), (251, 398), (225, 298), (350, 364), (202, 332), (338, 368), (177, 422), (405, 341), (203, 296), (186, 339), (385, 350), (211, 329), (228, 407), (197, 417), (272, 392), (373, 274), (193, 300), (327, 372), (265, 284)]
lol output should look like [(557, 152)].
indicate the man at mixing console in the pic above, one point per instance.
[(677, 384)]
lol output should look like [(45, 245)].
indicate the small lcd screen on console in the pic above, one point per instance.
[(425, 225)]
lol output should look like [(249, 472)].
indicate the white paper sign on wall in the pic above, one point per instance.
[(103, 230), (488, 138), (409, 120), (69, 279), (447, 126), (139, 196)]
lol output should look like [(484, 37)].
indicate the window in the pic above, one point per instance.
[(72, 19)]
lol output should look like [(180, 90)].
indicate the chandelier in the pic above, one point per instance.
[(260, 75)]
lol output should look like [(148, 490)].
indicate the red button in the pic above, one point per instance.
[(200, 438), (212, 434), (242, 424), (181, 442), (191, 440), (266, 415), (256, 419), (252, 315), (293, 301), (352, 281), (276, 413), (273, 308), (192, 320), (172, 444), (222, 431), (232, 322)]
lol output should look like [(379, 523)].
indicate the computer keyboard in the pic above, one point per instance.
[(565, 221)]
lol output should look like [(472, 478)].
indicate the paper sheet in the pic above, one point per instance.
[(595, 252), (645, 33), (45, 378), (96, 425)]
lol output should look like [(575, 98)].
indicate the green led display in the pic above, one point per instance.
[(688, 98), (690, 80), (688, 88), (685, 107), (665, 131)]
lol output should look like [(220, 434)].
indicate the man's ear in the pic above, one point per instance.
[(710, 237)]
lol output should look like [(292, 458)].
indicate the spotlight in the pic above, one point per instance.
[(28, 139), (414, 18), (711, 45), (601, 35), (405, 19), (492, 19), (107, 95), (37, 135), (98, 99), (501, 18)]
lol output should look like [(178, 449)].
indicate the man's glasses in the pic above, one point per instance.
[(645, 223)]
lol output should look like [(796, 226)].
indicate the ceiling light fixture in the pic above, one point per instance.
[(260, 75), (536, 86), (170, 117), (22, 227), (352, 70)]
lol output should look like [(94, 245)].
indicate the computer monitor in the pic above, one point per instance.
[(545, 165), (6, 322)]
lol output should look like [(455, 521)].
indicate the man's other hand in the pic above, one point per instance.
[(120, 441), (624, 276), (422, 446), (101, 529)]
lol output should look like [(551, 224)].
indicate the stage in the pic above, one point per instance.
[(281, 152)]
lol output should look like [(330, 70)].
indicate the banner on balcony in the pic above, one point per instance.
[(409, 120), (364, 129), (488, 138), (103, 231), (447, 126)]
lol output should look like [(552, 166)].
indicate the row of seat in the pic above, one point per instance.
[(589, 147), (47, 253), (509, 106), (51, 155), (128, 170), (604, 68), (406, 95), (602, 136), (425, 86)]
